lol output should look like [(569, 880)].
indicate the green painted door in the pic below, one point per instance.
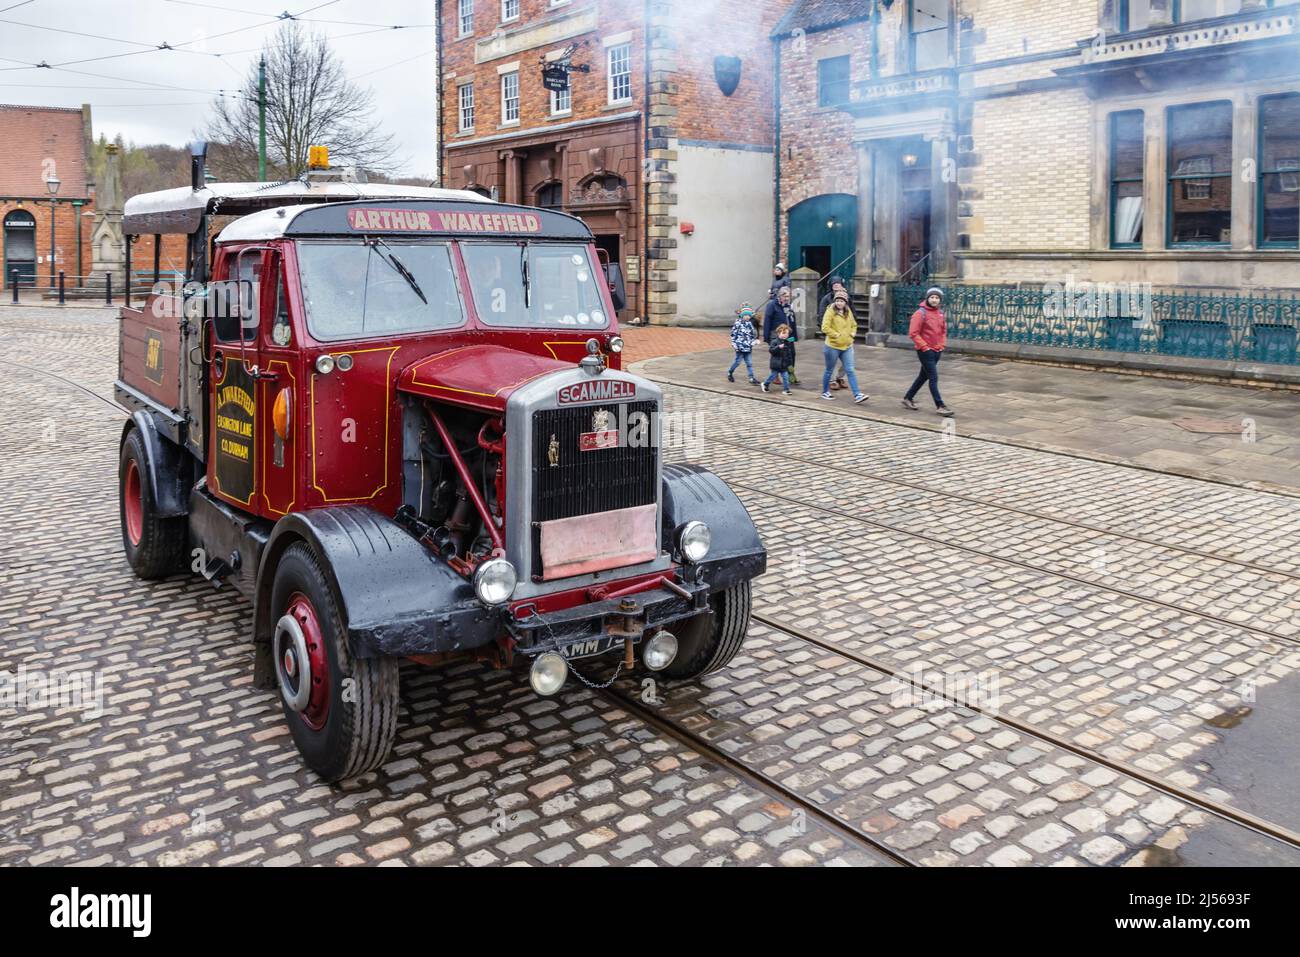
[(822, 223)]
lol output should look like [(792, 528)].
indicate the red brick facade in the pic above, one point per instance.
[(611, 163), (40, 143), (818, 156), (15, 239)]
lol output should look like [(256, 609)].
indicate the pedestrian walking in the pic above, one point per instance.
[(929, 333), (743, 335), (779, 312), (839, 327), (782, 349), (837, 286), (780, 280)]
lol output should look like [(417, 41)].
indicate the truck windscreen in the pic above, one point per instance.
[(355, 290), (540, 285)]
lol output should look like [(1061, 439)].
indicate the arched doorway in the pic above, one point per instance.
[(823, 233), (20, 247)]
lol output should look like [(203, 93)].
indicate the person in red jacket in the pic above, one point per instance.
[(929, 332)]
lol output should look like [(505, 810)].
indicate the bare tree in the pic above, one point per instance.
[(309, 100)]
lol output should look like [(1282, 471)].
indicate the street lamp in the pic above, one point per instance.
[(52, 184)]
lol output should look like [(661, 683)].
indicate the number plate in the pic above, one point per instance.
[(590, 647)]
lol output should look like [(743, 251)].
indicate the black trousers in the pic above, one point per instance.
[(929, 373)]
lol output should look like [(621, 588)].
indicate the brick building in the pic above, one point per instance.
[(1007, 141), (663, 142), (41, 143)]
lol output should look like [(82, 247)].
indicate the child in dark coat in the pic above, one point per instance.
[(782, 349)]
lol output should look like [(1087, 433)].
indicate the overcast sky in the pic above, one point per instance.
[(147, 111)]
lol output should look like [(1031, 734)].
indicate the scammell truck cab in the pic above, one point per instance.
[(395, 420)]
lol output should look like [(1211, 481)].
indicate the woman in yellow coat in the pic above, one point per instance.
[(839, 327)]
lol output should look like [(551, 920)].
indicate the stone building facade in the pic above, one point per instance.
[(663, 143), (39, 143), (1007, 141)]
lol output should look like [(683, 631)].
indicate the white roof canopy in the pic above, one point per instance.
[(181, 210)]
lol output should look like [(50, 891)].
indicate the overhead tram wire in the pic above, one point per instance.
[(179, 47), (305, 19)]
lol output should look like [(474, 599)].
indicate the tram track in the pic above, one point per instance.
[(754, 777), (65, 380), (1016, 563), (1278, 493), (950, 495), (1203, 802)]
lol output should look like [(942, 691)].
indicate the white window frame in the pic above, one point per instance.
[(624, 52), (463, 108), (506, 118), (556, 109), (506, 7), (464, 18)]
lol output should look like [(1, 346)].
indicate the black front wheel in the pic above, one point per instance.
[(342, 711), (707, 643)]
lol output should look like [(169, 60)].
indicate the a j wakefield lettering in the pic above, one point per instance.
[(416, 221), (596, 390)]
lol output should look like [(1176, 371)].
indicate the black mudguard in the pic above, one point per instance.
[(169, 471), (692, 492), (397, 599)]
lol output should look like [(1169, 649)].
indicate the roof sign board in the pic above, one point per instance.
[(397, 220)]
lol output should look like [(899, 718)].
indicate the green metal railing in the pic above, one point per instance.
[(1201, 325)]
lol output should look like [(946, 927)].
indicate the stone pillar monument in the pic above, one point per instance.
[(107, 242)]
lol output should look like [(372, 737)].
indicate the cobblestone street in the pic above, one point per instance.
[(964, 652)]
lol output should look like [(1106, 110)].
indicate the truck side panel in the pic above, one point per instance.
[(149, 351)]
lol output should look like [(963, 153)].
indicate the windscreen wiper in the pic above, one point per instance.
[(397, 264), (528, 283)]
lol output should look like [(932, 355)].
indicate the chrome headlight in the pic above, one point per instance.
[(616, 344), (693, 541), (495, 581)]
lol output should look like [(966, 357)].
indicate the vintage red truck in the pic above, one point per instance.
[(394, 419)]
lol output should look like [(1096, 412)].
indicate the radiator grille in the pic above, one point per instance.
[(583, 483)]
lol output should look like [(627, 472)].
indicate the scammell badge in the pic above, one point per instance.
[(553, 452), (600, 421)]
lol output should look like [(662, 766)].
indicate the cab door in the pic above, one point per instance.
[(279, 401), (234, 317)]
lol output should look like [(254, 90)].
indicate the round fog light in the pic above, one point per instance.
[(659, 651), (495, 581), (694, 541), (616, 344), (548, 673)]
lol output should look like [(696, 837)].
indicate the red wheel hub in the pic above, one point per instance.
[(318, 665), (133, 503)]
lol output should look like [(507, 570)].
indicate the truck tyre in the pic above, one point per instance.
[(342, 711), (707, 642), (154, 545)]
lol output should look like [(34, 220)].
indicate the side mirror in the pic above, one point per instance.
[(617, 290), (232, 307)]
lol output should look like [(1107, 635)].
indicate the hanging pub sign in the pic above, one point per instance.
[(555, 77)]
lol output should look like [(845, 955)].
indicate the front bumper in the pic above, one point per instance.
[(586, 625)]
